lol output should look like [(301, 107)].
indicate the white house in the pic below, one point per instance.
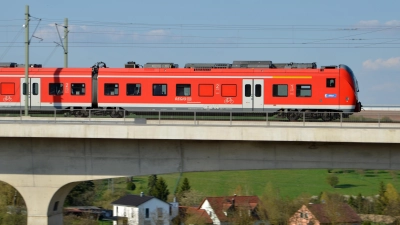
[(143, 210)]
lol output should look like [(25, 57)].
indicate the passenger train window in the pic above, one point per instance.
[(247, 90), (24, 89), (330, 82), (111, 89), (159, 90), (35, 88), (133, 89), (77, 89), (183, 90), (303, 90), (228, 90), (206, 90), (7, 88), (56, 89), (258, 90), (280, 90)]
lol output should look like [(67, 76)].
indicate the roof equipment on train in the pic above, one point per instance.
[(132, 64), (8, 64), (160, 65), (208, 65), (251, 64)]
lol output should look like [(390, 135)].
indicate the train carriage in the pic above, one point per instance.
[(241, 86)]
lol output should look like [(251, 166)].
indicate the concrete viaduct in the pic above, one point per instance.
[(45, 161)]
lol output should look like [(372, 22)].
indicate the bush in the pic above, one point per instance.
[(332, 180), (130, 186)]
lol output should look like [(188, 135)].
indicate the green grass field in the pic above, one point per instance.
[(291, 183)]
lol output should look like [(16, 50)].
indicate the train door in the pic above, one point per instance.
[(253, 94), (33, 95)]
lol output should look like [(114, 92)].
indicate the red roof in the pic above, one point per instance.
[(201, 214), (195, 213), (344, 213), (222, 204)]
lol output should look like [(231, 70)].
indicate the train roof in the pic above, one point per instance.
[(201, 66)]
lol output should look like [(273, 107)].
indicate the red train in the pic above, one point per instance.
[(240, 86)]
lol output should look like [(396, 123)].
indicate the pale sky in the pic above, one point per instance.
[(362, 34)]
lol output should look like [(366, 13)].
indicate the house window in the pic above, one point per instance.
[(159, 212), (280, 90), (206, 90), (159, 90), (111, 89), (7, 88), (133, 89), (147, 213), (132, 213), (56, 89), (303, 90), (330, 82), (183, 90), (77, 89)]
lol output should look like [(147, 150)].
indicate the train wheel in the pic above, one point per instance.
[(78, 114), (121, 114), (115, 114), (85, 113), (293, 116), (326, 116)]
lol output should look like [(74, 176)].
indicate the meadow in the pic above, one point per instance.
[(290, 183)]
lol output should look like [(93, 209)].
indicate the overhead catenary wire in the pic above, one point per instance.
[(11, 43)]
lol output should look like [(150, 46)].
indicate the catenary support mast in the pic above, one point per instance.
[(26, 59), (66, 43)]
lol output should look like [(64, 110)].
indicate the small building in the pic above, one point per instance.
[(229, 209), (90, 212), (324, 214), (143, 210)]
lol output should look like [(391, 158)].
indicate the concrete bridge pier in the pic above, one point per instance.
[(44, 195), (45, 204)]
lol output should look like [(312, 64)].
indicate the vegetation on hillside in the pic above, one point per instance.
[(281, 191)]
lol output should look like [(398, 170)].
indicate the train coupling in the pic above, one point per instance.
[(358, 107)]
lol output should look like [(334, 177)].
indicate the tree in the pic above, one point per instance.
[(393, 201), (382, 201), (81, 194), (161, 190), (151, 185), (333, 207), (130, 186), (332, 180), (275, 208), (192, 198), (185, 187)]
